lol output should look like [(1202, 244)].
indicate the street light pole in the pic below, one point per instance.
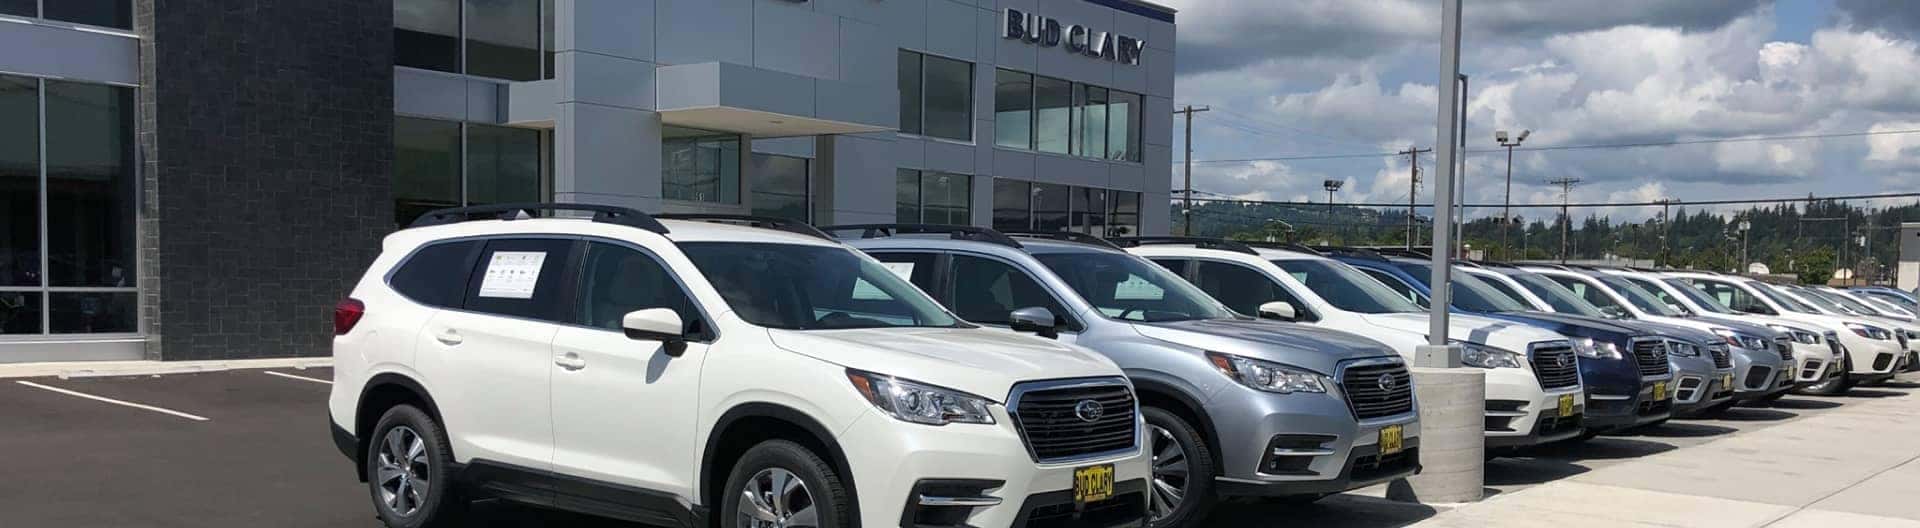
[(1331, 186), (1746, 227), (1506, 216)]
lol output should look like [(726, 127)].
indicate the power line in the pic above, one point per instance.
[(1603, 146), (1619, 204)]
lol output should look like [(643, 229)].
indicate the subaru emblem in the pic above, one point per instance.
[(1089, 410), (1565, 361), (1387, 383)]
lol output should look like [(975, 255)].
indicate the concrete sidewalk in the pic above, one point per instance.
[(1856, 466)]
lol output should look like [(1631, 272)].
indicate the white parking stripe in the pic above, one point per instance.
[(114, 401), (301, 378)]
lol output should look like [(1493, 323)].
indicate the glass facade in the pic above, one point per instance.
[(103, 13), (930, 197), (780, 186), (1052, 115), (1021, 205), (69, 267), (439, 164), (502, 39), (936, 96), (699, 165)]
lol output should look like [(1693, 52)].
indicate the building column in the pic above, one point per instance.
[(606, 135)]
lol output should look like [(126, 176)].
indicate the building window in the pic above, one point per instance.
[(546, 37), (1123, 126), (81, 277), (503, 165), (930, 197), (103, 13), (1090, 106), (1013, 109), (780, 186), (426, 34), (699, 166), (1019, 205), (503, 39), (936, 96), (439, 164), (1053, 115), (1062, 117)]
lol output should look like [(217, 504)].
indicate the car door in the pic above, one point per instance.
[(1244, 289), (489, 361), (623, 407)]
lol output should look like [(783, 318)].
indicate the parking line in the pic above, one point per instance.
[(114, 401), (301, 378)]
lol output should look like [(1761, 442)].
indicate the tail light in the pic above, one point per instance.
[(346, 314)]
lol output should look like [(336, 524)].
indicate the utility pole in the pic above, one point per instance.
[(1413, 188), (1666, 230), (1186, 207), (1506, 214), (1566, 222), (1460, 177)]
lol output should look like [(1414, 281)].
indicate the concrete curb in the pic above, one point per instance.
[(101, 369)]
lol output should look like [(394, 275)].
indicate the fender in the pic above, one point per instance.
[(1144, 383), (835, 455), (360, 417)]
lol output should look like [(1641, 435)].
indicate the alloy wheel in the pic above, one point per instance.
[(777, 498), (403, 473), (1169, 472)]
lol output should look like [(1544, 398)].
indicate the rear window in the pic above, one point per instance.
[(436, 275), (523, 278)]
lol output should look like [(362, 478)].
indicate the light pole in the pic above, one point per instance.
[(1745, 228), (1331, 186), (1506, 216)]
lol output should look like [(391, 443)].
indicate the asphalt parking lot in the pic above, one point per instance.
[(250, 448)]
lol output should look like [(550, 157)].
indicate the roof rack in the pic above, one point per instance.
[(1065, 236), (1400, 252), (958, 232), (1286, 246), (1198, 242), (1343, 251), (607, 214), (763, 222)]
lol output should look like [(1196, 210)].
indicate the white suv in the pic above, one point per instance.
[(684, 371)]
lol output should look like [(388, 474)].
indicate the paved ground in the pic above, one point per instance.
[(250, 448)]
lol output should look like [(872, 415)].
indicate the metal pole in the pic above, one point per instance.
[(1447, 165), (1460, 189), (1186, 225), (1506, 215)]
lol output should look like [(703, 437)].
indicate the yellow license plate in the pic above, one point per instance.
[(1566, 405), (1092, 483), (1659, 391), (1726, 381), (1392, 439)]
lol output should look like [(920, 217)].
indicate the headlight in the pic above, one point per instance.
[(1588, 348), (1677, 348), (1799, 336), (1870, 332), (1742, 340), (1477, 355), (922, 404), (1267, 375)]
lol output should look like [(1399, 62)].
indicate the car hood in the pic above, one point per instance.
[(1573, 325), (1673, 331), (1300, 345), (975, 360), (1470, 328)]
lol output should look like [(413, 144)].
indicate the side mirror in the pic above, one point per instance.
[(1039, 321), (657, 324), (1279, 310)]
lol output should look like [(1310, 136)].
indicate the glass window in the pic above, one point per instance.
[(90, 185), (1593, 295), (915, 267), (1558, 297), (1125, 219), (1125, 287), (20, 312), (1123, 126), (1013, 109), (1783, 299), (24, 8), (546, 36), (426, 167), (616, 280), (437, 275), (780, 186), (906, 196), (947, 198), (949, 99), (1506, 290), (503, 39), (1050, 206), (1092, 104), (1176, 267), (995, 289), (1012, 204), (94, 312), (810, 287), (1347, 288), (910, 93), (503, 164), (1700, 298), (1641, 299), (1399, 287), (1244, 289), (20, 186), (106, 13), (1734, 297), (1053, 115), (699, 166), (545, 302), (1661, 294), (1469, 292), (1089, 210), (426, 34)]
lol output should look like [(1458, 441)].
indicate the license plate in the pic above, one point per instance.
[(1092, 483), (1659, 391), (1566, 405), (1392, 439), (1726, 381)]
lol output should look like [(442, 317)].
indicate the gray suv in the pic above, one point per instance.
[(1235, 406)]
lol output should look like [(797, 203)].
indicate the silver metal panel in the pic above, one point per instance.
[(864, 168), (799, 147), (1156, 120), (867, 55), (1015, 164), (617, 28), (606, 80), (792, 38), (431, 94), (1154, 213), (607, 155), (123, 349), (947, 156), (1070, 170), (767, 90), (1159, 65), (49, 50), (532, 103), (951, 30), (695, 31), (867, 104)]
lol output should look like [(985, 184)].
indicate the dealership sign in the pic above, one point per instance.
[(1047, 32)]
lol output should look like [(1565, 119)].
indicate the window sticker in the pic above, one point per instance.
[(512, 274), (866, 291), (904, 270), (1136, 288)]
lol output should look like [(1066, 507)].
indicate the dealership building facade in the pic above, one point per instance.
[(203, 179)]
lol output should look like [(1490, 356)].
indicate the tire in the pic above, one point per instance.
[(819, 498), (408, 449), (1183, 471), (1834, 385)]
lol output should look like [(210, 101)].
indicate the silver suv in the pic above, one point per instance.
[(1235, 406)]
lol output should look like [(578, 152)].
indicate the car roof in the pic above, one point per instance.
[(677, 231)]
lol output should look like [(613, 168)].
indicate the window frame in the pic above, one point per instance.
[(1070, 319), (1304, 313), (39, 16), (1109, 208), (1077, 93), (920, 128), (544, 156), (920, 204), (547, 65), (473, 255), (709, 332), (569, 268)]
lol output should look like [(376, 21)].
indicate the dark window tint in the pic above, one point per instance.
[(1734, 297), (94, 312), (946, 198), (779, 186), (19, 188), (1012, 204), (426, 167), (426, 34), (503, 39), (25, 8), (1125, 219), (436, 275), (615, 280), (20, 312), (1123, 126), (90, 185), (521, 278), (917, 268), (1592, 294), (1346, 288), (1050, 206), (503, 164), (1399, 287), (994, 289), (1089, 210), (1243, 289), (1176, 266), (949, 99), (107, 13), (1561, 299), (1053, 115), (910, 92), (808, 287), (1504, 289), (1013, 109), (699, 165), (906, 196)]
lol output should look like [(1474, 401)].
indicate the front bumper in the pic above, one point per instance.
[(1699, 392), (1811, 362), (1279, 444), (1874, 360), (1520, 414), (889, 458), (1614, 412), (1759, 374), (1364, 467)]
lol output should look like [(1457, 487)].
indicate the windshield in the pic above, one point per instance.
[(1559, 297), (1817, 300), (1782, 299), (1130, 288), (1699, 298), (802, 287), (1886, 306), (1504, 289), (1897, 300), (1665, 297), (1346, 288), (1470, 293), (1640, 297), (1850, 304)]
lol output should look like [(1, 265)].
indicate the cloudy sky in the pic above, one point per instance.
[(1291, 78)]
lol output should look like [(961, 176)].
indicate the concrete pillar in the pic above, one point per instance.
[(606, 132), (1452, 437)]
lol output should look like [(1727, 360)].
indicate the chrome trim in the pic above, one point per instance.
[(1021, 389), (1508, 414), (1281, 451), (1340, 381), (966, 502), (1608, 397)]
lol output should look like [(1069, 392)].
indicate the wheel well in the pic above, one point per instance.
[(746, 426), (1152, 395), (382, 393)]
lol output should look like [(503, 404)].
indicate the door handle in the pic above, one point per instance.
[(449, 337), (570, 361)]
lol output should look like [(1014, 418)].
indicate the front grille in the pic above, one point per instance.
[(1813, 370), (1556, 366), (1046, 416), (1378, 390), (1759, 377), (1883, 362), (1651, 356), (1785, 344), (1722, 358)]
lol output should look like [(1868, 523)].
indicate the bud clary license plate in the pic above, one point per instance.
[(1092, 483)]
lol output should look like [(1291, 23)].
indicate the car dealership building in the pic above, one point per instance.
[(203, 179)]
